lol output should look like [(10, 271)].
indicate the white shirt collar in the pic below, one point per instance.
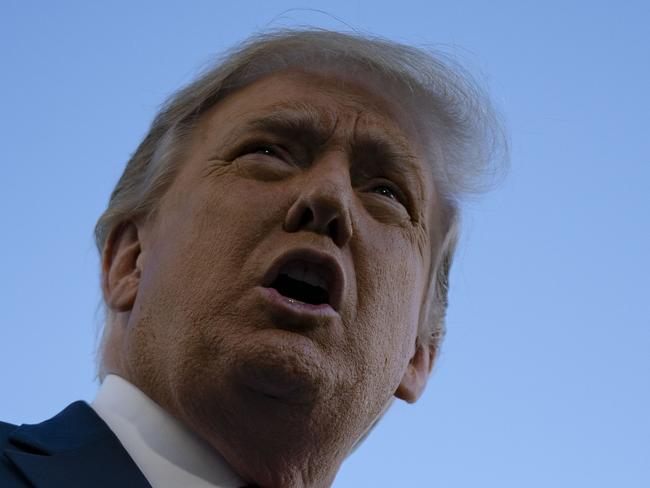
[(168, 453)]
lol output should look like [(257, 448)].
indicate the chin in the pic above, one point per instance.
[(281, 366), (284, 396)]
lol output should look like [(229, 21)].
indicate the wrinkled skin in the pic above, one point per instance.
[(282, 401)]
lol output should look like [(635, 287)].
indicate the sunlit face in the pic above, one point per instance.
[(303, 168)]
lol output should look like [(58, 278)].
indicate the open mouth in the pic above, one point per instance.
[(307, 276), (300, 281)]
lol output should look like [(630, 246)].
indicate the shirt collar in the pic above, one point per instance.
[(168, 453)]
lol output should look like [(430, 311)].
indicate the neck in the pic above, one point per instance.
[(273, 464), (280, 450)]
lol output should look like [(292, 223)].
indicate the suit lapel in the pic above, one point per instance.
[(74, 448)]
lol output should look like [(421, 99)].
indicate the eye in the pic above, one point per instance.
[(384, 190), (389, 191), (265, 150)]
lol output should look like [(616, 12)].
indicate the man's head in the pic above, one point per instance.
[(276, 254)]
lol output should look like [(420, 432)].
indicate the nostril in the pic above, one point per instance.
[(320, 216), (333, 230), (306, 218)]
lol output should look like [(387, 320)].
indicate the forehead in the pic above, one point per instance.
[(327, 101)]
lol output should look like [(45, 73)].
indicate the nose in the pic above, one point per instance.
[(323, 204)]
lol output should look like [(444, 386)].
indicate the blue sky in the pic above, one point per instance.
[(544, 379)]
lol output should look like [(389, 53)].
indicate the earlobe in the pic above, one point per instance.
[(416, 375), (121, 267)]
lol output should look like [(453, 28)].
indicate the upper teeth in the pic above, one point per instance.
[(303, 272)]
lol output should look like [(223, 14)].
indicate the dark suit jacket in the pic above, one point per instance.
[(73, 449)]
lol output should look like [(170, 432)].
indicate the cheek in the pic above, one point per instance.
[(218, 223), (194, 274), (390, 283), (200, 247)]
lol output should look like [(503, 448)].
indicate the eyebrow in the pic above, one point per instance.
[(312, 126), (289, 119)]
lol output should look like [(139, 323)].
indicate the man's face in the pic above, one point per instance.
[(295, 172)]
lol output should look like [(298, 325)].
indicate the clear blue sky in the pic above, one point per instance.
[(544, 379)]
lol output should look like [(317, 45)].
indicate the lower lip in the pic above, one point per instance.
[(297, 307)]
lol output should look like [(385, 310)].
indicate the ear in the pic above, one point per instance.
[(121, 267), (417, 374)]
